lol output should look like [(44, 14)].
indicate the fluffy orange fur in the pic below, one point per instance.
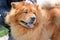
[(47, 24)]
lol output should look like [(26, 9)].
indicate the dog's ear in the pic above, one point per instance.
[(37, 6), (13, 4)]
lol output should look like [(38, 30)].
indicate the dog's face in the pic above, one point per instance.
[(25, 14)]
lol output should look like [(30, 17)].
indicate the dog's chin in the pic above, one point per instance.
[(27, 25)]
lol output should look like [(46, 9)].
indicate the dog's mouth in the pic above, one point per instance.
[(27, 25)]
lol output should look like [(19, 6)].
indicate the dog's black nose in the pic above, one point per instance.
[(33, 18)]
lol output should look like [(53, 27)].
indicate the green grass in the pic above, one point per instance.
[(3, 31)]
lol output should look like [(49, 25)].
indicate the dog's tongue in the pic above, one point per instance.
[(30, 25)]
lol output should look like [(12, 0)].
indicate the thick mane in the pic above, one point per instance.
[(46, 25)]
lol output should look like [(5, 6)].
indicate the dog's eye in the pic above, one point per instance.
[(24, 22), (25, 12)]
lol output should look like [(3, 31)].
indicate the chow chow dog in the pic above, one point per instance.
[(28, 21)]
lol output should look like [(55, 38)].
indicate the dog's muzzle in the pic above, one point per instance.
[(29, 24)]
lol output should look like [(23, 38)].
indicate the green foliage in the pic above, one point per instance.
[(3, 31)]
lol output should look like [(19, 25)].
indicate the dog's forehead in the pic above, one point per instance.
[(26, 6)]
